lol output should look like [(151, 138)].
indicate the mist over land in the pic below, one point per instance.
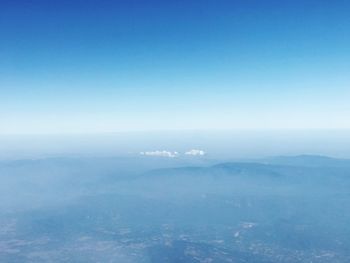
[(148, 204)]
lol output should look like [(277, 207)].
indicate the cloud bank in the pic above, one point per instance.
[(170, 154), (195, 152), (161, 153)]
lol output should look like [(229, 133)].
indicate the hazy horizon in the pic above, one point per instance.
[(216, 144)]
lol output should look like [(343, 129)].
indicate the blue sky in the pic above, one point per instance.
[(107, 66)]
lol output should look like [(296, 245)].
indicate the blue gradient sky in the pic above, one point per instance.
[(105, 66)]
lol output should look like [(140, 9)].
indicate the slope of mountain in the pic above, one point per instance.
[(308, 161)]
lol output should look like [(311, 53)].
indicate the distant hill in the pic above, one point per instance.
[(276, 166), (308, 160)]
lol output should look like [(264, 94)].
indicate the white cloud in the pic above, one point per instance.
[(160, 153), (195, 152)]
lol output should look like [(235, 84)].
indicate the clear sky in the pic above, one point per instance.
[(104, 66)]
